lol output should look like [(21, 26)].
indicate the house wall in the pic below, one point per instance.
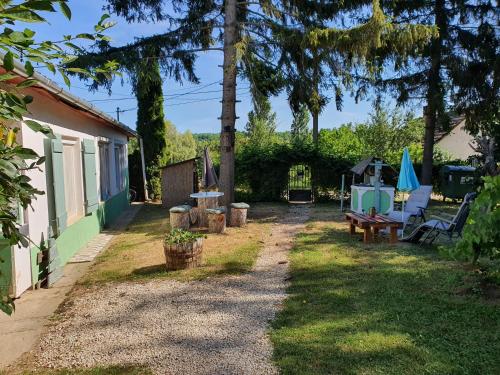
[(456, 143), (5, 266), (67, 121)]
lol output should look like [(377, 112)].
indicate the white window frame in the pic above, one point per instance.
[(73, 180)]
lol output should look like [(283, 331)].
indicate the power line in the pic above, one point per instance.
[(167, 97), (244, 94)]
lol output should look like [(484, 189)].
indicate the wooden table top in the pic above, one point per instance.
[(362, 220)]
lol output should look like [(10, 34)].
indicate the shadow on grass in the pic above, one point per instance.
[(381, 309), (239, 261)]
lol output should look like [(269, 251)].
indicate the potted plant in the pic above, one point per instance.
[(182, 249)]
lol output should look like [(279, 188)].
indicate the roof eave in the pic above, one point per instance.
[(83, 105)]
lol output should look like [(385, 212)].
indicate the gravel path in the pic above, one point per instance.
[(214, 326)]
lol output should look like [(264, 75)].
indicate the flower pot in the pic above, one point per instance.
[(183, 255)]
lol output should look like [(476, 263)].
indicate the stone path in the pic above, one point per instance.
[(93, 248), (214, 326), (21, 331)]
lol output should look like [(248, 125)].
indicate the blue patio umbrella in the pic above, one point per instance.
[(407, 180)]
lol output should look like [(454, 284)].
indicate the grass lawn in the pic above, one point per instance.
[(137, 253), (382, 309)]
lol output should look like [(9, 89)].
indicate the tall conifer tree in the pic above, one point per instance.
[(254, 37), (427, 74), (147, 84)]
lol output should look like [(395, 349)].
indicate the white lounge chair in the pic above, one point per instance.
[(414, 207)]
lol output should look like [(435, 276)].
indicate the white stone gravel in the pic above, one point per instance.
[(214, 326)]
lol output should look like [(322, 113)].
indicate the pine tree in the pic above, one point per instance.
[(300, 126), (147, 84), (261, 125), (434, 73), (322, 54), (257, 38)]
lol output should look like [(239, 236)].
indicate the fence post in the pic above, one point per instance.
[(342, 194)]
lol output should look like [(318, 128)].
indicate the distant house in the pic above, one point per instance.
[(455, 142), (84, 177)]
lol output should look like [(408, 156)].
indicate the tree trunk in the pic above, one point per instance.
[(238, 217), (315, 113), (434, 92), (179, 220), (228, 117), (216, 223), (315, 117), (430, 127)]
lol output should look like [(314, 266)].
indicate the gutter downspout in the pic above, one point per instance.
[(141, 147)]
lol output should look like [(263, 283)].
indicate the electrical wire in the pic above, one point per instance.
[(244, 94)]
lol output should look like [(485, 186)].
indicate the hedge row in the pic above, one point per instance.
[(262, 174)]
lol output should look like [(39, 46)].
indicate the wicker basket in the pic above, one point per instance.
[(184, 255)]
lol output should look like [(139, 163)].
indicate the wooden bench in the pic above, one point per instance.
[(377, 222)]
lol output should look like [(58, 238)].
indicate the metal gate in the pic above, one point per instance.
[(299, 183)]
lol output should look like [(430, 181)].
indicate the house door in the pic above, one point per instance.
[(299, 183)]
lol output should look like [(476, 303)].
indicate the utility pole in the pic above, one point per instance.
[(118, 114)]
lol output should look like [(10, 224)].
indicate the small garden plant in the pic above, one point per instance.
[(181, 236), (481, 235)]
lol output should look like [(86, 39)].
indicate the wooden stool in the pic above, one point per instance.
[(179, 217), (216, 219), (238, 216)]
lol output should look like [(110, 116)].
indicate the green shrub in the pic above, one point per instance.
[(481, 235), (181, 236)]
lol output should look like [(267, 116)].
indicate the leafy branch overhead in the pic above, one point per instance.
[(22, 54)]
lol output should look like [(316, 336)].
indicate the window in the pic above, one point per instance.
[(120, 166), (104, 170), (73, 179)]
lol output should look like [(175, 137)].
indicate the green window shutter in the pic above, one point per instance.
[(91, 199), (58, 182)]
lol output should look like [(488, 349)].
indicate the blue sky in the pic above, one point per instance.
[(186, 112)]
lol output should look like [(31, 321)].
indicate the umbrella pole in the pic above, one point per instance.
[(342, 194), (403, 215)]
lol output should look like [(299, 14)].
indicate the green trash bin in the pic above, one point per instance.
[(457, 180)]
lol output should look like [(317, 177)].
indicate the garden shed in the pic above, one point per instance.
[(178, 181)]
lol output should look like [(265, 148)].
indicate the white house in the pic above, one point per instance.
[(456, 142), (85, 180)]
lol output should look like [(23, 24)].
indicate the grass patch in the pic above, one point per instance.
[(137, 253), (381, 309)]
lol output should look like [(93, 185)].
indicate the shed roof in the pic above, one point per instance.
[(180, 162), (363, 165)]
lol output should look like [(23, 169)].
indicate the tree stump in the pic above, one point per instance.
[(216, 220), (183, 255), (238, 217), (203, 205), (179, 217)]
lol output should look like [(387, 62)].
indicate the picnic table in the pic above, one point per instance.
[(206, 199), (367, 223)]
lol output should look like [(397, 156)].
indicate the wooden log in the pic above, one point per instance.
[(203, 205), (216, 221), (238, 217), (179, 217), (182, 256)]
